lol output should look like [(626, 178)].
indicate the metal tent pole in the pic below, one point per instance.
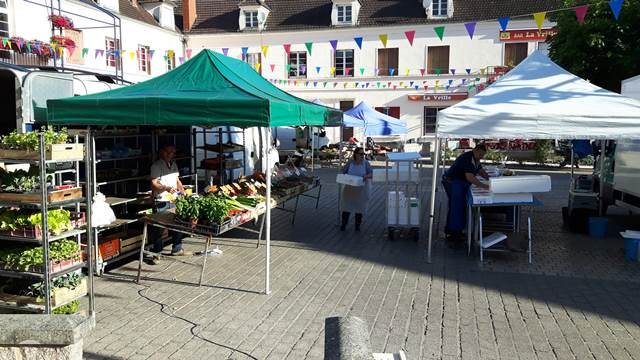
[(432, 201), (572, 157), (89, 177), (267, 285), (312, 144), (603, 146)]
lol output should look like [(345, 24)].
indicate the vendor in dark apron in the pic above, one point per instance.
[(456, 181)]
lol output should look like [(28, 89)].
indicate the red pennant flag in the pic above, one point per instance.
[(273, 66), (347, 71), (287, 48), (581, 12), (189, 53), (394, 87), (389, 84), (410, 35), (422, 71)]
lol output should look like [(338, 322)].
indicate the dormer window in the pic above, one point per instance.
[(251, 19), (439, 8), (253, 15), (345, 13)]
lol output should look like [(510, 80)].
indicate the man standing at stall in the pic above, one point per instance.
[(165, 184), (456, 181)]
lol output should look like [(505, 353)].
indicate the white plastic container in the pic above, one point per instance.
[(407, 208), (520, 184), (351, 180)]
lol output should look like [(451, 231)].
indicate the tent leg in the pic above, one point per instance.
[(339, 219), (312, 144), (432, 203), (267, 273), (603, 147), (572, 160)]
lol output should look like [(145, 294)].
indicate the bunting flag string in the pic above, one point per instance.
[(504, 22), (188, 52), (539, 17), (265, 49), (358, 41), (287, 48), (383, 38), (471, 28), (581, 12), (309, 46), (225, 51), (245, 51), (410, 36), (317, 69), (334, 44), (439, 31), (273, 67)]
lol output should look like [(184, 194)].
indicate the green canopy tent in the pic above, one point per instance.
[(209, 90)]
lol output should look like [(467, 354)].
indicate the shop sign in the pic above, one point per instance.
[(439, 97), (527, 35)]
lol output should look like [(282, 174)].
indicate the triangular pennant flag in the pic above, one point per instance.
[(5, 41), (273, 67), (309, 46), (287, 48), (347, 71), (188, 51), (367, 85), (334, 44), (376, 71), (425, 87), (315, 84), (383, 38), (410, 35), (333, 70), (453, 71), (378, 84), (303, 69), (165, 57), (335, 84), (85, 51), (116, 53), (97, 53), (471, 28), (389, 83), (318, 69), (410, 83), (482, 71), (306, 83), (407, 72), (391, 71), (361, 71), (439, 31), (71, 49), (325, 84), (468, 71), (401, 82), (450, 82), (422, 71), (245, 50), (616, 6), (394, 87), (504, 21), (60, 49), (181, 60), (288, 66), (225, 51), (417, 87), (464, 81), (438, 71), (258, 67), (357, 84), (151, 52), (448, 86), (358, 41), (265, 49), (344, 85), (581, 12), (132, 55), (539, 17)]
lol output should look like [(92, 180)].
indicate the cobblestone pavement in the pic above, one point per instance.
[(578, 300)]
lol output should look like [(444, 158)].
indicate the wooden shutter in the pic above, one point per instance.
[(514, 53), (383, 62), (347, 132), (438, 58)]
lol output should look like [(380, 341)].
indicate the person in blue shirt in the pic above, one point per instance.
[(456, 181)]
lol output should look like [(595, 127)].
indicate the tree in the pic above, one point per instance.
[(601, 50)]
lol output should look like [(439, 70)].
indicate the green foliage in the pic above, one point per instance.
[(210, 208), (31, 140), (19, 180), (24, 257), (495, 156), (68, 309), (59, 220), (187, 208), (544, 149), (602, 50)]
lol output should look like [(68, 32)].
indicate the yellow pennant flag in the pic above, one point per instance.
[(407, 73), (539, 18), (401, 82), (258, 66), (383, 38), (265, 48), (60, 50), (132, 55), (170, 53), (482, 71), (333, 71)]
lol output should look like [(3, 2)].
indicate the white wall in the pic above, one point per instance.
[(483, 50), (31, 22)]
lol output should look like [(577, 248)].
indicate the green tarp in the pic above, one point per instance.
[(209, 90)]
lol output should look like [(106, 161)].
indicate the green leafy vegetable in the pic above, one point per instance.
[(31, 140)]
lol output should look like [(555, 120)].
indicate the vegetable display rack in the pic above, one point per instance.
[(33, 288)]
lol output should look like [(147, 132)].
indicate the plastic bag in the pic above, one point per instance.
[(101, 212)]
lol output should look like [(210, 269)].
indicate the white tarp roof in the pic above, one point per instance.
[(540, 100)]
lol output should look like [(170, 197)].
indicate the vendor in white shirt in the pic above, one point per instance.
[(165, 184)]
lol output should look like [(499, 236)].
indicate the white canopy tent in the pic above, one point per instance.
[(537, 100)]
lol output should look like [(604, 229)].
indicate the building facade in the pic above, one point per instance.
[(407, 58), (135, 40)]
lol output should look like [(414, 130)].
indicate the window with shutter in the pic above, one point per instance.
[(514, 53), (347, 132), (438, 59), (388, 59)]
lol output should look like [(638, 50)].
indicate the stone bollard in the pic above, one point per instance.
[(56, 337), (346, 338)]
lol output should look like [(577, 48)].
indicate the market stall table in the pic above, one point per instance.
[(478, 199)]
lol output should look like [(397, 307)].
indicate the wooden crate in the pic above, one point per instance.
[(59, 152), (59, 296), (132, 243), (34, 198)]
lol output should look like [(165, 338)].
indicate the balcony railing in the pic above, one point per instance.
[(16, 58)]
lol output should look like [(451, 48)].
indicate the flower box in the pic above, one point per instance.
[(58, 152)]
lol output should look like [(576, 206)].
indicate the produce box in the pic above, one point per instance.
[(53, 152), (59, 296), (35, 231), (110, 247), (351, 180), (132, 243), (35, 198)]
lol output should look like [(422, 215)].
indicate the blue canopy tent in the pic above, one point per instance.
[(375, 123)]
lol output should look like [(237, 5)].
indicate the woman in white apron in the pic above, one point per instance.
[(355, 198)]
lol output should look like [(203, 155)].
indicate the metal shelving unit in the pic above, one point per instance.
[(221, 153), (46, 239)]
